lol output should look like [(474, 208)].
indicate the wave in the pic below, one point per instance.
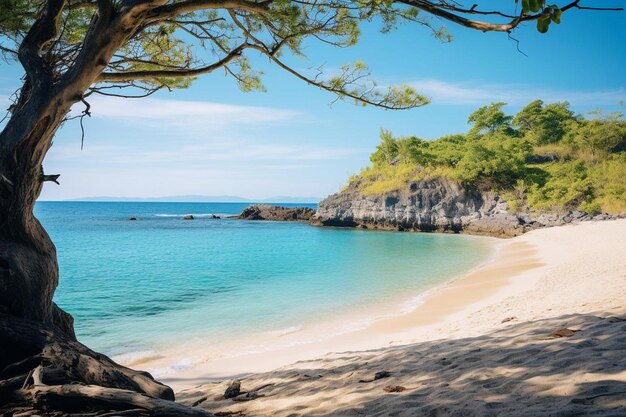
[(136, 357), (178, 366), (285, 331), (196, 215)]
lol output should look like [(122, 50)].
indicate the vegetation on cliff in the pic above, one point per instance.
[(545, 158)]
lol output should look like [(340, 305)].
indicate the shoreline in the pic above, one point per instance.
[(448, 310), (495, 350), (191, 362), (514, 265)]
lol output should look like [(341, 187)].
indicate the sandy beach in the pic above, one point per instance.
[(486, 343)]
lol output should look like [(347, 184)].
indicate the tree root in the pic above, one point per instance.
[(45, 371), (72, 398)]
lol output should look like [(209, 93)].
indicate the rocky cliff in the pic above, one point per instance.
[(438, 205)]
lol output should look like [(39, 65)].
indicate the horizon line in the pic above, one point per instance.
[(181, 199)]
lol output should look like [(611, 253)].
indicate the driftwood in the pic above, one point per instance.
[(44, 371)]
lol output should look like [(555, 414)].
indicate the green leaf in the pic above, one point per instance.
[(526, 6), (543, 23), (556, 16), (535, 5)]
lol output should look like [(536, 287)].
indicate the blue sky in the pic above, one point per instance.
[(212, 139)]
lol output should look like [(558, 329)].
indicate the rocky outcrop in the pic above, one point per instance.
[(276, 213), (439, 205)]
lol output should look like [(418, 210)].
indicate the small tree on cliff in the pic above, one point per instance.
[(71, 49), (386, 150), (490, 119)]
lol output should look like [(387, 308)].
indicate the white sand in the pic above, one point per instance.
[(454, 355)]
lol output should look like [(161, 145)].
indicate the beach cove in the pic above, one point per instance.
[(521, 293), (542, 333)]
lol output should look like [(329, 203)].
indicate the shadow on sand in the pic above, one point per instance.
[(518, 370)]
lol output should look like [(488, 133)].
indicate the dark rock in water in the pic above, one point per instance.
[(233, 390), (133, 218), (188, 217), (215, 217), (436, 205), (277, 213)]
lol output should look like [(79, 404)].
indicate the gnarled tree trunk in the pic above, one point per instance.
[(35, 334), (28, 264), (39, 352)]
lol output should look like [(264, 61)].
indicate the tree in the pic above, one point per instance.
[(489, 118), (387, 149), (72, 49), (544, 124), (413, 150), (448, 150), (527, 118), (496, 160)]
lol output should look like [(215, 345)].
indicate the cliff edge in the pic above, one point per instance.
[(435, 205)]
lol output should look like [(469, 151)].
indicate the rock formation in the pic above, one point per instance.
[(276, 213), (439, 205)]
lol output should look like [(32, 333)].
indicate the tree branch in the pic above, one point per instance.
[(52, 178), (440, 10), (341, 91), (177, 73), (361, 98), (42, 32), (175, 9), (105, 8), (603, 9), (148, 90), (81, 4), (4, 49)]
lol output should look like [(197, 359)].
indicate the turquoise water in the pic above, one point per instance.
[(133, 286)]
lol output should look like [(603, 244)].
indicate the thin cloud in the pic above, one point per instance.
[(192, 115), (237, 151), (471, 93)]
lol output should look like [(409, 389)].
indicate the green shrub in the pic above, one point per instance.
[(495, 159), (568, 185), (386, 178), (609, 177), (591, 207)]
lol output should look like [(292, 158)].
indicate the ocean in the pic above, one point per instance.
[(136, 286)]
